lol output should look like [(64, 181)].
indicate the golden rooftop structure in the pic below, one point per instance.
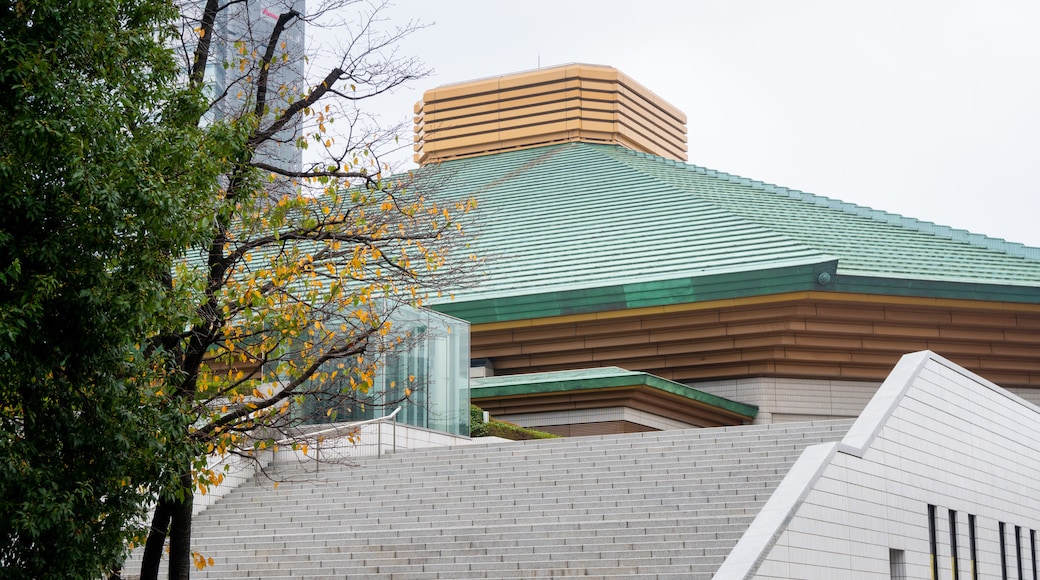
[(574, 102)]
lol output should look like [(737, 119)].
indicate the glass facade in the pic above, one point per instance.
[(241, 33), (426, 374)]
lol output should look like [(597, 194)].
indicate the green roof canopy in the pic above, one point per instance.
[(580, 227), (596, 378)]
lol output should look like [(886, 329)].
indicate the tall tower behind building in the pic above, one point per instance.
[(241, 35)]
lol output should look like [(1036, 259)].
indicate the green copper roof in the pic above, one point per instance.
[(595, 378), (579, 227)]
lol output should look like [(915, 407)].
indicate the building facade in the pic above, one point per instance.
[(604, 248), (936, 479), (241, 35)]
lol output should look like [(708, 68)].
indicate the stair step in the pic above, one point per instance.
[(645, 505)]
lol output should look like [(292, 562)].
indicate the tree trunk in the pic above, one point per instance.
[(153, 546), (180, 534)]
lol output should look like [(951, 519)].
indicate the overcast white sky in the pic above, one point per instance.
[(926, 109)]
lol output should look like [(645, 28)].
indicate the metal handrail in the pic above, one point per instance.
[(379, 434)]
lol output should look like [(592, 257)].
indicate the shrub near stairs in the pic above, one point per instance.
[(495, 428)]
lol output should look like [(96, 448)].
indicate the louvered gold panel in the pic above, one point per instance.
[(577, 102)]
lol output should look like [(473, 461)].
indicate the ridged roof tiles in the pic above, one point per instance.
[(579, 227)]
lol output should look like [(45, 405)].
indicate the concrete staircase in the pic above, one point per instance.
[(668, 504)]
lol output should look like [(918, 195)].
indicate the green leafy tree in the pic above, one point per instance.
[(102, 186)]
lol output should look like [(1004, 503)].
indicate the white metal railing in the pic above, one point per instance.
[(356, 428)]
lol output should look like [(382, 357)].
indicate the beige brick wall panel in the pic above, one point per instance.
[(698, 348), (918, 316), (848, 312), (945, 347), (1026, 321), (973, 334), (681, 319), (620, 340), (687, 334), (565, 360), (1022, 336), (816, 355), (765, 327), (839, 327), (760, 341), (558, 346), (619, 354), (540, 333), (825, 341), (784, 312), (504, 350), (899, 330), (983, 319)]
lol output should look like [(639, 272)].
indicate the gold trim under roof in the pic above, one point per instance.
[(574, 102)]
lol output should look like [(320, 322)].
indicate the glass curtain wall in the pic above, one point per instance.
[(427, 375)]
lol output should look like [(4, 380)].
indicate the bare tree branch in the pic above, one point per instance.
[(370, 179), (265, 62), (205, 31), (354, 347), (294, 109)]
